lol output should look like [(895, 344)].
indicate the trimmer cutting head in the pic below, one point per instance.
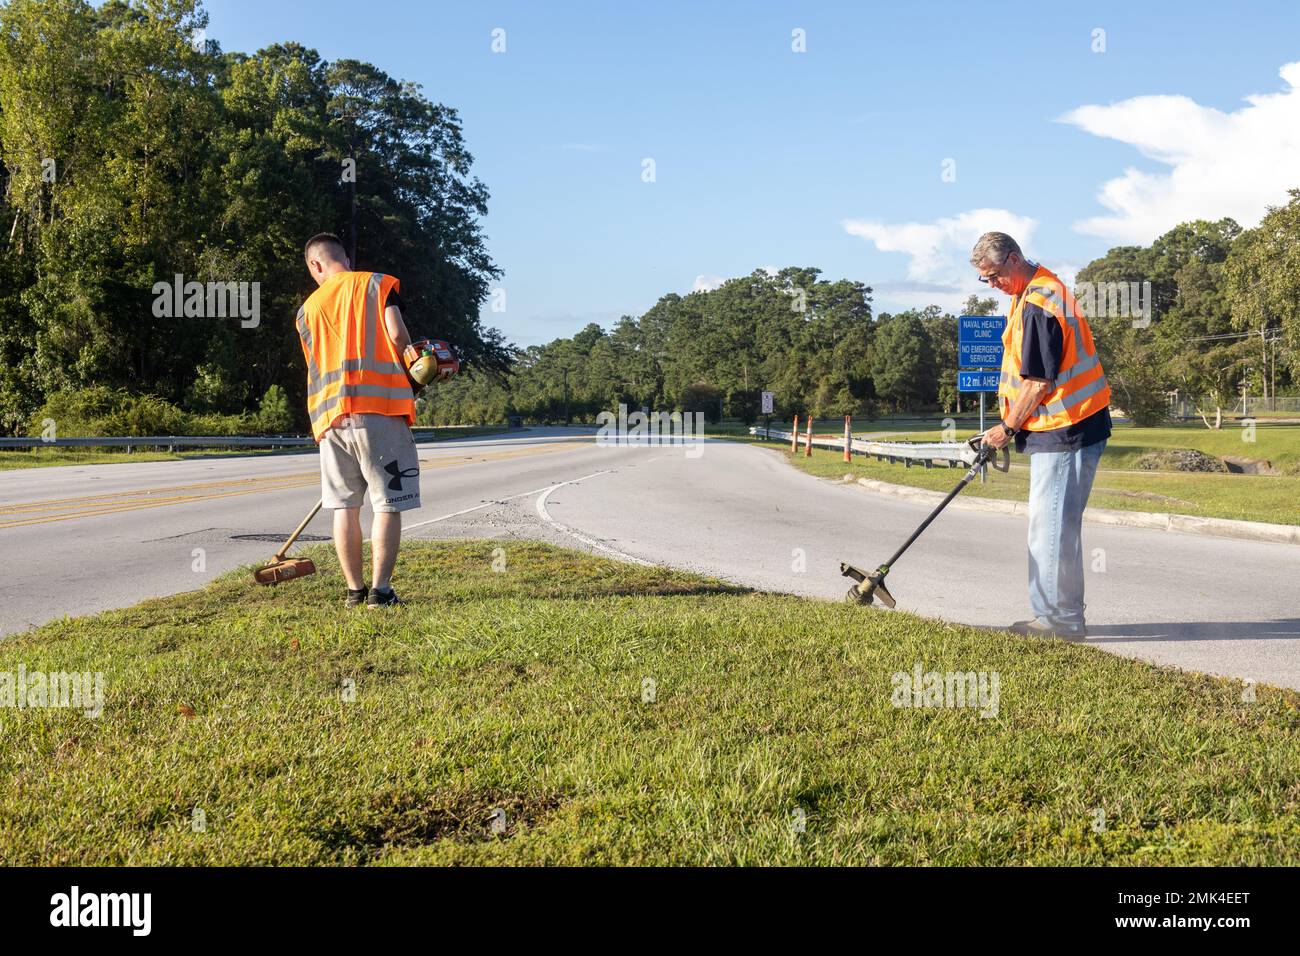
[(871, 585), (286, 570), (280, 568)]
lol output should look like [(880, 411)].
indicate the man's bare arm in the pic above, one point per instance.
[(396, 328), (1030, 395)]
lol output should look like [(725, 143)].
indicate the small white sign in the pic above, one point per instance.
[(768, 403)]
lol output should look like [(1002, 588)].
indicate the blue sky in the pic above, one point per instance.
[(833, 157)]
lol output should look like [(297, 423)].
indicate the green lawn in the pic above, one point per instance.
[(1119, 485), (11, 459), (1278, 444), (769, 738)]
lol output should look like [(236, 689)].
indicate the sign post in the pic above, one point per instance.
[(979, 348), (769, 401)]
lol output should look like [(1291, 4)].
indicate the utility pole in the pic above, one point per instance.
[(1273, 389), (352, 223), (1263, 372), (568, 419)]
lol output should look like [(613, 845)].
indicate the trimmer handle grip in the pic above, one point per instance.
[(988, 455)]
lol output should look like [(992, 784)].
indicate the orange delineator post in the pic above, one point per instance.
[(794, 437), (808, 444), (848, 438)]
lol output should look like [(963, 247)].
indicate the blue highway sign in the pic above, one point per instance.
[(979, 340), (977, 381)]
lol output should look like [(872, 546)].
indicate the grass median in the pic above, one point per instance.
[(1277, 444), (1119, 485), (537, 705)]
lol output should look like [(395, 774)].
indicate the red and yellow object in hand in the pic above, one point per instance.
[(429, 360)]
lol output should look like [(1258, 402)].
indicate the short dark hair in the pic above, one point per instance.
[(325, 239)]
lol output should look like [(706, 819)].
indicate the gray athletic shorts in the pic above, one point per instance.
[(370, 452)]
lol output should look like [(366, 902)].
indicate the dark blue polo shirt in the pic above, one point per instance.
[(1042, 344)]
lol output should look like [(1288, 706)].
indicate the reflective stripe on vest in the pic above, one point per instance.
[(318, 382), (313, 373), (356, 391), (1073, 398), (1078, 368)]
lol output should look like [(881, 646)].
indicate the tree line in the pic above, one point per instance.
[(1225, 314), (814, 343), (133, 151), (1213, 309)]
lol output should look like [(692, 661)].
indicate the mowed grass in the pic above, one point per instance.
[(1278, 444), (1269, 498), (522, 695), (15, 458), (12, 459)]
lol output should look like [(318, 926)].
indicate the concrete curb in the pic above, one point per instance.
[(1187, 524)]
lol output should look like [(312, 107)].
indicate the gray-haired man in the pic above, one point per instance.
[(1055, 402)]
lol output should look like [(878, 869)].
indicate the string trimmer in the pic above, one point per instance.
[(872, 584)]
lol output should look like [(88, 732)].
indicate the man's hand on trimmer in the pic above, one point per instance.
[(996, 436)]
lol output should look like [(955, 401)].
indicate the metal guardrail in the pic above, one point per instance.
[(928, 454), (172, 442)]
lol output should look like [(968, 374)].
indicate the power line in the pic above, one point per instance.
[(1275, 337)]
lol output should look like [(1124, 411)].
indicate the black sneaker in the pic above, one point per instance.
[(356, 598), (387, 598), (1041, 628)]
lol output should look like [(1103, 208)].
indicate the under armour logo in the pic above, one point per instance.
[(398, 474)]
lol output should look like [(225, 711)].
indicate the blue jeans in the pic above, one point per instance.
[(1059, 484)]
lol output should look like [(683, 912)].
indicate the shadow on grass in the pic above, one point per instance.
[(453, 573), (1286, 629), (667, 589)]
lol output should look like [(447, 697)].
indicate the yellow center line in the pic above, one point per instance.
[(90, 506), (105, 509), (9, 509), (147, 500)]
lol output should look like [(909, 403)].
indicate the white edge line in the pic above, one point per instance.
[(600, 546), (545, 515), (497, 501)]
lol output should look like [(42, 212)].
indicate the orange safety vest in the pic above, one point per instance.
[(352, 364), (1080, 388)]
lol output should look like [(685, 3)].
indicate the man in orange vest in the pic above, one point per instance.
[(1055, 403), (361, 406)]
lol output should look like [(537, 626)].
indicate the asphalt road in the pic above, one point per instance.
[(78, 539)]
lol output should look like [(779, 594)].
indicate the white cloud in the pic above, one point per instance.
[(1222, 164), (1066, 271), (938, 268), (707, 281)]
